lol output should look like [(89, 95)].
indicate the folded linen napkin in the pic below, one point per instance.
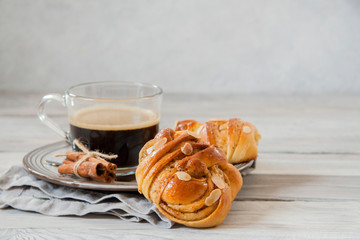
[(22, 191)]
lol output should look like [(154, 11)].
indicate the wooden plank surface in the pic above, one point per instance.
[(306, 184)]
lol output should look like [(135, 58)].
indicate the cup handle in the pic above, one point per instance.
[(46, 120)]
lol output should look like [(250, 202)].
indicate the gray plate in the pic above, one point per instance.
[(37, 162)]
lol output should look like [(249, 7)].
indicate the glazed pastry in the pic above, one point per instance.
[(190, 182), (236, 138)]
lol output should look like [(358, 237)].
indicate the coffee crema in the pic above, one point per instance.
[(117, 130)]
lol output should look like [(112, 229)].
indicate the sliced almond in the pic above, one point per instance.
[(246, 129), (213, 197), (195, 135), (157, 145), (223, 127), (218, 181), (187, 149), (176, 123), (183, 176), (199, 130), (150, 150)]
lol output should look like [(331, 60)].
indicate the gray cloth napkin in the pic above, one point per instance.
[(20, 190)]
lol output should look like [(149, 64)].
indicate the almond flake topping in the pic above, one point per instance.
[(183, 176), (195, 135), (247, 129), (223, 127), (157, 145), (213, 197), (187, 149), (218, 181)]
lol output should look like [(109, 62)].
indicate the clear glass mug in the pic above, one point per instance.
[(112, 117)]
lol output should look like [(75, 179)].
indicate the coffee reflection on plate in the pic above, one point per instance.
[(117, 130)]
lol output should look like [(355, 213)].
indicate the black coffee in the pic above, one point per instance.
[(121, 131)]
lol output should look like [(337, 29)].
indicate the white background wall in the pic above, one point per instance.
[(309, 46)]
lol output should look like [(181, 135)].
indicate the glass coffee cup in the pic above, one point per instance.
[(110, 117)]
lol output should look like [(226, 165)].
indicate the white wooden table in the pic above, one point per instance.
[(306, 184)]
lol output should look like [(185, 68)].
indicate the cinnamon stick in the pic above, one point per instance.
[(86, 169), (74, 156), (88, 164), (107, 178)]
